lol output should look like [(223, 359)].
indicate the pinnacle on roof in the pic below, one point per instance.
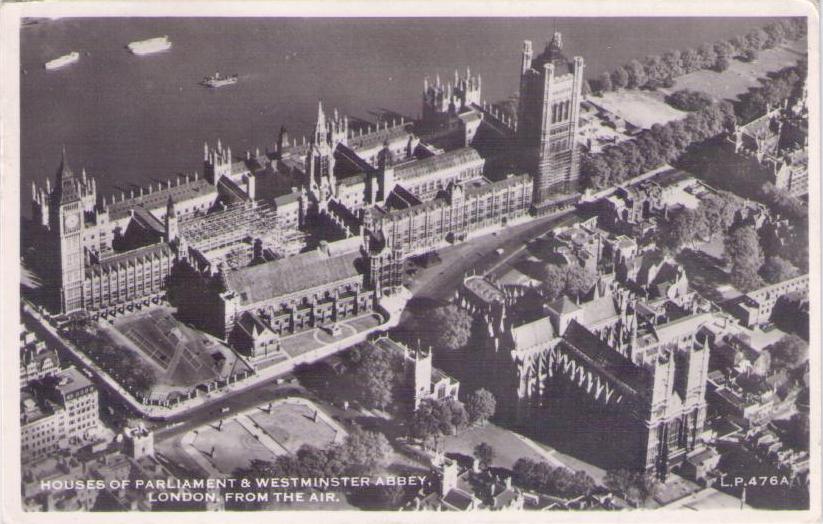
[(64, 170), (556, 42), (321, 117)]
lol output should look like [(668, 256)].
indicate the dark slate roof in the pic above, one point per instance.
[(149, 221), (435, 163), (564, 305), (161, 249), (286, 199), (620, 370), (553, 54), (377, 138), (512, 180), (158, 199), (289, 275)]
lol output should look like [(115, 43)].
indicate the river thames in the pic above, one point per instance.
[(134, 120)]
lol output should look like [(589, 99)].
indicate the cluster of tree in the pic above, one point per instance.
[(377, 374), (713, 216), (655, 146), (660, 71), (773, 91), (571, 280), (435, 418), (484, 454), (790, 352), (362, 453), (797, 432), (743, 251), (561, 482), (447, 327), (480, 406), (781, 202), (777, 269), (637, 488), (688, 100), (127, 368)]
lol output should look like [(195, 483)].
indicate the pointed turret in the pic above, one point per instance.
[(320, 126), (171, 221), (67, 186)]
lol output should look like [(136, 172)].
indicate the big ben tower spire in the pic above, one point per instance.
[(68, 227)]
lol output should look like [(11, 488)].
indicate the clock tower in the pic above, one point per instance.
[(68, 227)]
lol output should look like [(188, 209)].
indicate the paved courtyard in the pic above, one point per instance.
[(305, 341)]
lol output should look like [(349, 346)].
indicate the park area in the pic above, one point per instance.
[(261, 433), (181, 357), (293, 425), (740, 76), (642, 109)]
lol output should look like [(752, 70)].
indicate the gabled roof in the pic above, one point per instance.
[(533, 334), (620, 370), (563, 305), (289, 275), (435, 163)]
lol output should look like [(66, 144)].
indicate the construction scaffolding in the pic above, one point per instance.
[(238, 223)]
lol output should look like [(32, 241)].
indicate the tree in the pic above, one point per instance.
[(683, 228), (718, 213), (688, 100), (484, 454), (797, 432), (656, 68), (635, 487), (579, 280), (604, 83), (742, 249), (749, 55), (690, 60), (435, 418), (365, 451), (542, 477), (637, 74), (569, 280), (756, 39), (620, 78), (673, 65), (708, 57), (376, 377), (447, 327), (790, 352), (480, 406), (777, 269)]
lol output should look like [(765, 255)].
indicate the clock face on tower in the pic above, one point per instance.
[(71, 222)]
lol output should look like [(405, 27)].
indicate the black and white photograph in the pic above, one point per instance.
[(420, 263)]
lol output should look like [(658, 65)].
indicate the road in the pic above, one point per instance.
[(438, 282)]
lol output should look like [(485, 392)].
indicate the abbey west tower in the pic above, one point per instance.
[(548, 111)]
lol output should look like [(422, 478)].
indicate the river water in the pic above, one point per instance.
[(133, 120)]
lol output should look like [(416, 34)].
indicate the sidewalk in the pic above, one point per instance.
[(393, 305)]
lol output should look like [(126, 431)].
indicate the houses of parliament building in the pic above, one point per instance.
[(345, 207)]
